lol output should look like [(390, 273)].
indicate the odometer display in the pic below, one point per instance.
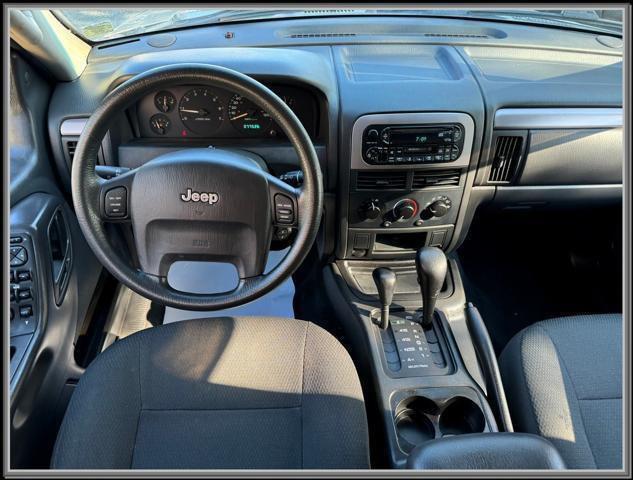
[(247, 117), (201, 111)]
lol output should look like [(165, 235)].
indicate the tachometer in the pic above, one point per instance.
[(201, 111), (247, 117)]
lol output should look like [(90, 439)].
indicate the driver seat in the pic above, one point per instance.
[(220, 393)]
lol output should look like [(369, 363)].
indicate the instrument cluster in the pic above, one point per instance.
[(207, 112)]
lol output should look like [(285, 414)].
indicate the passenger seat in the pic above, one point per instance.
[(563, 381)]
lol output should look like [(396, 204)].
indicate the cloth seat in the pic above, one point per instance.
[(563, 380), (220, 393)]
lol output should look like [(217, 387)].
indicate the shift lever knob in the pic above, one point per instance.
[(430, 262), (385, 281)]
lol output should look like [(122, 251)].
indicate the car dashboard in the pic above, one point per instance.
[(417, 123)]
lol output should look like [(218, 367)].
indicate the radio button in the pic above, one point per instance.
[(438, 158), (385, 135)]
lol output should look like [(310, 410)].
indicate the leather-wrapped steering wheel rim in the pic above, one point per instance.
[(87, 187)]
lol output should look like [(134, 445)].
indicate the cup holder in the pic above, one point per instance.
[(413, 423), (418, 419), (460, 416)]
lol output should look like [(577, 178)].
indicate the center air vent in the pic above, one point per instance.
[(440, 178), (381, 180), (506, 158)]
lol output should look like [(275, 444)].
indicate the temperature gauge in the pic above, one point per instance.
[(164, 101)]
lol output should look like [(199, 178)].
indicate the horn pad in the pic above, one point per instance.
[(201, 204)]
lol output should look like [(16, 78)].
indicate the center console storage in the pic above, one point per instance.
[(490, 451)]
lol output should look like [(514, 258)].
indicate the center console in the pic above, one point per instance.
[(417, 346), (407, 180)]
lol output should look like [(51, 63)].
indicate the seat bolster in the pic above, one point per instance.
[(103, 411), (332, 406)]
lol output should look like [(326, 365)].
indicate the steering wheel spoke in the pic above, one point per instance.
[(114, 198)]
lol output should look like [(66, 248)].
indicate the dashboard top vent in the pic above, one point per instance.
[(329, 11), (381, 180), (321, 35), (439, 178), (455, 35), (116, 44), (506, 159)]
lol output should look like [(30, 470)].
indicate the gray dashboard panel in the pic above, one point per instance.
[(574, 157), (529, 118)]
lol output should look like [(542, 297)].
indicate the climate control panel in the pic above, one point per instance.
[(416, 209)]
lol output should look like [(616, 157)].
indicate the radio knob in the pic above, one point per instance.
[(372, 135), (372, 154), (439, 208), (405, 209), (371, 209)]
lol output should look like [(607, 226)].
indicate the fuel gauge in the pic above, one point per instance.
[(160, 124)]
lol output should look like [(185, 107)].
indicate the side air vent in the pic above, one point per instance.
[(381, 180), (71, 146), (441, 178), (506, 158), (320, 35)]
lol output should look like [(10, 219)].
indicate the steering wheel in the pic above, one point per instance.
[(201, 204)]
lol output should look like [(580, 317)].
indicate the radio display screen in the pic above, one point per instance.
[(419, 137)]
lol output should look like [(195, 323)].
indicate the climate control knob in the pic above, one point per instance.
[(439, 208), (405, 209), (371, 209)]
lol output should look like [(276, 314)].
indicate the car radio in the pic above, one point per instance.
[(412, 144)]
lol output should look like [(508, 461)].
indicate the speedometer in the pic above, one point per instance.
[(201, 111), (247, 117)]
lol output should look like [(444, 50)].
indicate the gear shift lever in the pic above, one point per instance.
[(385, 281), (431, 265)]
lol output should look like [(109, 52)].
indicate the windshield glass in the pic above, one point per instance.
[(98, 25)]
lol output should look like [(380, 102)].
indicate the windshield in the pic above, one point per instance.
[(98, 25)]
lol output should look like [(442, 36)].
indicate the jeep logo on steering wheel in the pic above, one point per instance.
[(204, 197)]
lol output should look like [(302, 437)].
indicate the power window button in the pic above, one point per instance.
[(116, 202)]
